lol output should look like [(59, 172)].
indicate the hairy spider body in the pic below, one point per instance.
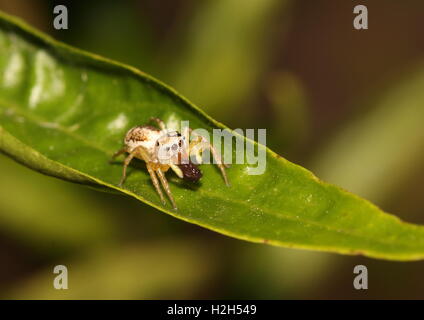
[(162, 150)]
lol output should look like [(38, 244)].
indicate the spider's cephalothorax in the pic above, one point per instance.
[(162, 149)]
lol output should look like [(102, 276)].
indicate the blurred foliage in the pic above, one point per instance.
[(227, 44), (385, 145), (130, 43), (332, 65), (288, 100), (129, 272)]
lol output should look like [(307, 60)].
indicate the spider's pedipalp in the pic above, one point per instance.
[(177, 171)]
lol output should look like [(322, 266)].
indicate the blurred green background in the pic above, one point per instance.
[(346, 104)]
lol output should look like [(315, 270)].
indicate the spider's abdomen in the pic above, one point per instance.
[(191, 172), (144, 136)]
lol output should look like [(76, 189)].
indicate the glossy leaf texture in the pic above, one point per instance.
[(64, 112)]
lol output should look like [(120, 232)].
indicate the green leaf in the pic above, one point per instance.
[(64, 112)]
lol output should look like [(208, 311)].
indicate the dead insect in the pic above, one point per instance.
[(162, 149)]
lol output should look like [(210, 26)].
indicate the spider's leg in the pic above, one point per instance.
[(212, 148), (145, 155), (201, 144), (136, 151), (126, 163), (159, 122), (219, 163), (118, 153), (155, 182), (165, 185)]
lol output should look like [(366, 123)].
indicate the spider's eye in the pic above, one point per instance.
[(157, 143), (167, 148)]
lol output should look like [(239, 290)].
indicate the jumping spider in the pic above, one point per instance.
[(162, 149)]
